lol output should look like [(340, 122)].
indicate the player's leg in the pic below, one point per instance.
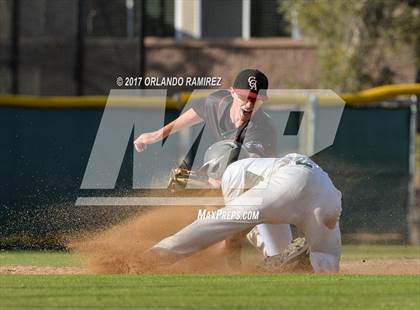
[(281, 197), (270, 239), (322, 232), (321, 250), (195, 237), (201, 234), (325, 249), (281, 194)]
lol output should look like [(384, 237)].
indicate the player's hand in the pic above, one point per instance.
[(145, 139)]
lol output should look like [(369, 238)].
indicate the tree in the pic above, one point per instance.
[(354, 37)]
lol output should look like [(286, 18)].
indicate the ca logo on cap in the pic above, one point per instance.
[(252, 81)]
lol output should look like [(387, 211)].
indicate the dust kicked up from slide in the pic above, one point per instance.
[(118, 250)]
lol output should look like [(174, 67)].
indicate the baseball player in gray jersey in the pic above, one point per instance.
[(288, 190), (227, 114)]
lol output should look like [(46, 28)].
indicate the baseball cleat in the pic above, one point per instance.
[(254, 238), (295, 258)]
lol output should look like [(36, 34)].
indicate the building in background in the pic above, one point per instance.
[(185, 19), (72, 47)]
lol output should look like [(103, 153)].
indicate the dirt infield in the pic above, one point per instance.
[(41, 270), (367, 267), (381, 266)]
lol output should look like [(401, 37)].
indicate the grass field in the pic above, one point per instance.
[(39, 258), (210, 291), (249, 291)]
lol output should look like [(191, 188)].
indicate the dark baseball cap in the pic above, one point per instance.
[(251, 83)]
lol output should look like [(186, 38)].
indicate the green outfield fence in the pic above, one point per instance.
[(45, 143)]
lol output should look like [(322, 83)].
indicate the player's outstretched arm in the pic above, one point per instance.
[(187, 119)]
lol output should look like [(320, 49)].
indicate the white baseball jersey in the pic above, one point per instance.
[(287, 190)]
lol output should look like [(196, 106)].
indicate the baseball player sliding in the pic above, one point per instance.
[(288, 190)]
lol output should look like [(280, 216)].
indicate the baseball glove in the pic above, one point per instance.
[(180, 177)]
